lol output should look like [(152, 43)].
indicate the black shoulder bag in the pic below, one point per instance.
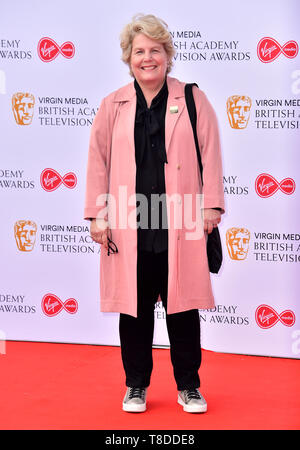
[(214, 245)]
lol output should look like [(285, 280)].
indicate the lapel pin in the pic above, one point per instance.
[(173, 109)]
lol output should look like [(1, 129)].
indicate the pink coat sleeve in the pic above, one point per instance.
[(98, 163), (210, 149)]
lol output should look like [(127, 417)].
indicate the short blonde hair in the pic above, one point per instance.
[(152, 27)]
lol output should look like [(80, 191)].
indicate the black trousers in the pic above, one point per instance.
[(136, 334)]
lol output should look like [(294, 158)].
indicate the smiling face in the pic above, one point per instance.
[(148, 61)]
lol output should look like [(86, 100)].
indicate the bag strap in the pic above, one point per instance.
[(190, 103)]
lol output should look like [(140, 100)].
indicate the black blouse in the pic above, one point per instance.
[(150, 156)]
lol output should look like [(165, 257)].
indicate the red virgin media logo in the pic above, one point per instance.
[(48, 49), (52, 305), (51, 180), (266, 185), (268, 49), (267, 317)]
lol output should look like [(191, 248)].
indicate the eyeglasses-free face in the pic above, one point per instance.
[(148, 61)]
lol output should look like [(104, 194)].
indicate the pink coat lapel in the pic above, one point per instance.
[(175, 99)]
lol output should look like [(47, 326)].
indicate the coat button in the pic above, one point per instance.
[(178, 166)]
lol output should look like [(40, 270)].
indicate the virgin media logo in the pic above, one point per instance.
[(48, 49), (267, 317), (266, 185), (51, 180), (268, 49), (52, 305)]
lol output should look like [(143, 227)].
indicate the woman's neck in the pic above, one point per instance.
[(151, 91)]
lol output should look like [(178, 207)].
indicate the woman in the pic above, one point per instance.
[(142, 148)]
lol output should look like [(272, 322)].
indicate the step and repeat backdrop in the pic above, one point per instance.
[(58, 60)]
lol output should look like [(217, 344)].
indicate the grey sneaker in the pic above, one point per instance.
[(135, 400), (192, 401)]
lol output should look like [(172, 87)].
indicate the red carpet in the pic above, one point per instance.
[(65, 387)]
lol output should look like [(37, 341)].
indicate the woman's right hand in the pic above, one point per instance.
[(99, 231)]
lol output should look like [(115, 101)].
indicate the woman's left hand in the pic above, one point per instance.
[(211, 218)]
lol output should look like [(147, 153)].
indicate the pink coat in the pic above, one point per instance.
[(112, 169)]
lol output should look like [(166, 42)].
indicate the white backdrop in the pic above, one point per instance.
[(46, 248)]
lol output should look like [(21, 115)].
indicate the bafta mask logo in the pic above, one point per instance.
[(238, 111), (23, 107), (25, 234), (237, 242)]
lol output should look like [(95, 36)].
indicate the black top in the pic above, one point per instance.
[(150, 156)]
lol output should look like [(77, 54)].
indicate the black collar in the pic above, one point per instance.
[(157, 99)]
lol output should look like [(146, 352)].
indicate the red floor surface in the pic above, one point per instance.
[(65, 387)]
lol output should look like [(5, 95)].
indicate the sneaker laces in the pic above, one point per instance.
[(136, 393), (192, 394)]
